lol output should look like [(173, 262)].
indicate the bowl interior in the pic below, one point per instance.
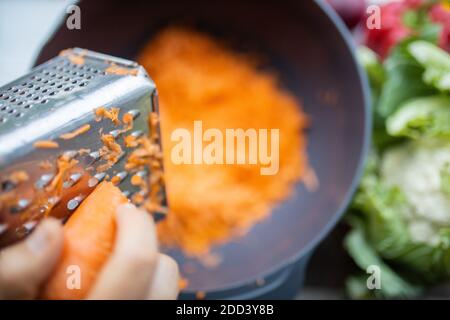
[(314, 62)]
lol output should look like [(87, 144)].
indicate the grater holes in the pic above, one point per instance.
[(46, 84)]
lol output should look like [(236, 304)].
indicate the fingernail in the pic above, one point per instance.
[(39, 240)]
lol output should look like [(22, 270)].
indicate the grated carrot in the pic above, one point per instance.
[(75, 133), (115, 69), (46, 144), (111, 114), (198, 78)]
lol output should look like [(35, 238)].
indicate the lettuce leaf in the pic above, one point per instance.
[(421, 117), (377, 76), (403, 80), (435, 61), (392, 284)]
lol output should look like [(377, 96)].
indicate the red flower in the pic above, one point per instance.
[(440, 13), (392, 28)]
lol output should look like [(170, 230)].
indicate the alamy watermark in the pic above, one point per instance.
[(374, 279), (373, 20), (73, 21), (237, 146)]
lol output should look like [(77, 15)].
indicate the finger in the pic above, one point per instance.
[(24, 266), (128, 272), (164, 284)]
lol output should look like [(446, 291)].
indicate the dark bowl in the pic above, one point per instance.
[(312, 52)]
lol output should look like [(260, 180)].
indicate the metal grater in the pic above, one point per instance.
[(55, 117)]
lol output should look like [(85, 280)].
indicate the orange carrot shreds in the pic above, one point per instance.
[(136, 180), (88, 241), (153, 121), (127, 120), (131, 141), (115, 180), (137, 198), (211, 204), (121, 71), (111, 114), (110, 152), (155, 206), (75, 58), (64, 165), (75, 133), (46, 144), (200, 295), (18, 177), (110, 143), (183, 283), (144, 155)]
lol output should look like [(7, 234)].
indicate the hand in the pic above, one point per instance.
[(135, 269)]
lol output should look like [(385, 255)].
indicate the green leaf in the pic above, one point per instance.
[(435, 61), (421, 117), (404, 80), (364, 255), (376, 74)]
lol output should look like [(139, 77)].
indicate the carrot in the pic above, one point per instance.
[(75, 133), (46, 144), (88, 241)]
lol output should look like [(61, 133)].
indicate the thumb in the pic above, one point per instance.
[(24, 266)]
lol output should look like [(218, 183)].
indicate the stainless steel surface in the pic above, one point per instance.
[(59, 97)]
